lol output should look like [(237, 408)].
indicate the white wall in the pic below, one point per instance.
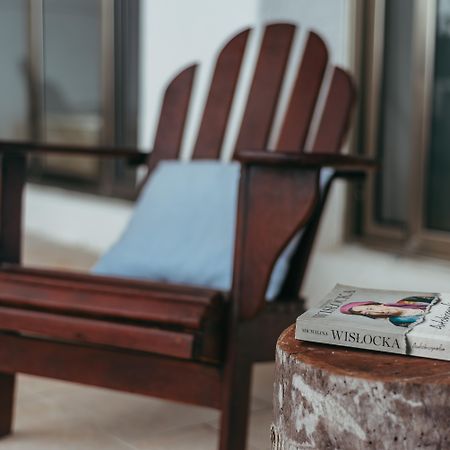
[(176, 34)]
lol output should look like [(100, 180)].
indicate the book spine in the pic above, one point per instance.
[(331, 332), (435, 347), (431, 337)]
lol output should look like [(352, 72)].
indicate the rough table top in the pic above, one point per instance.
[(376, 366)]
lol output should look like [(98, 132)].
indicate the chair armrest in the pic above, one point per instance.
[(342, 163), (134, 156), (278, 195)]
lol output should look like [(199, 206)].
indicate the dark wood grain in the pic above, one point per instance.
[(336, 115), (105, 283), (265, 88), (273, 204), (347, 163), (12, 181), (220, 98), (172, 118), (299, 260), (99, 301), (236, 407), (7, 388), (99, 332), (133, 155), (136, 372), (327, 145), (304, 95)]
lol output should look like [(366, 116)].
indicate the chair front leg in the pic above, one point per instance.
[(236, 398), (7, 385), (12, 181)]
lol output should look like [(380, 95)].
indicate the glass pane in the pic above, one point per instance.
[(394, 142), (13, 72), (437, 212), (72, 74)]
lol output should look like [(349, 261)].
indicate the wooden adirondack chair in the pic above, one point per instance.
[(176, 342)]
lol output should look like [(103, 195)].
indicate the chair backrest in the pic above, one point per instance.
[(262, 100), (331, 115)]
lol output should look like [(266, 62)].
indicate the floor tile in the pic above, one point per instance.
[(262, 382), (41, 424), (131, 418), (259, 429), (198, 437)]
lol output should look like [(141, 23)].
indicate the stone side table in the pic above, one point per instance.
[(328, 397)]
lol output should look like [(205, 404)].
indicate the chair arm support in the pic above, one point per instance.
[(278, 195), (274, 203), (347, 163), (134, 156)]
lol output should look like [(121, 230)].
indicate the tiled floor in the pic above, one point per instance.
[(52, 415)]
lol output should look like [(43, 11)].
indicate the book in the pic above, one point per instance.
[(403, 322)]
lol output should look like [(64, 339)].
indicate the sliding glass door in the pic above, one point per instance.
[(437, 187), (65, 63), (406, 124), (70, 34)]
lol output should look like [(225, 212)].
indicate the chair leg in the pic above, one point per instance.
[(235, 409), (7, 385)]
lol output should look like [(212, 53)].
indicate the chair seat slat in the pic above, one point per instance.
[(127, 286), (168, 309), (152, 340)]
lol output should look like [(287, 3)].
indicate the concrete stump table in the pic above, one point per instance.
[(328, 397)]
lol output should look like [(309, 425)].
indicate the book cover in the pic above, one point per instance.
[(409, 323)]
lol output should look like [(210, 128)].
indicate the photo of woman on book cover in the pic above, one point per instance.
[(402, 313)]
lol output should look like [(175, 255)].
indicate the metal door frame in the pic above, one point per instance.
[(114, 178), (416, 238)]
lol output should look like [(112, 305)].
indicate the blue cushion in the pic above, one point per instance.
[(183, 227)]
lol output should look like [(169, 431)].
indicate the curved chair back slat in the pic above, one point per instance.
[(172, 118), (302, 103), (265, 88), (336, 114), (220, 98)]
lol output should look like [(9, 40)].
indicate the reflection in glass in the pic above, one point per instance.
[(394, 142), (437, 211), (72, 74), (14, 107)]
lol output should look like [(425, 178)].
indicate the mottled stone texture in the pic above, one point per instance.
[(335, 398)]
